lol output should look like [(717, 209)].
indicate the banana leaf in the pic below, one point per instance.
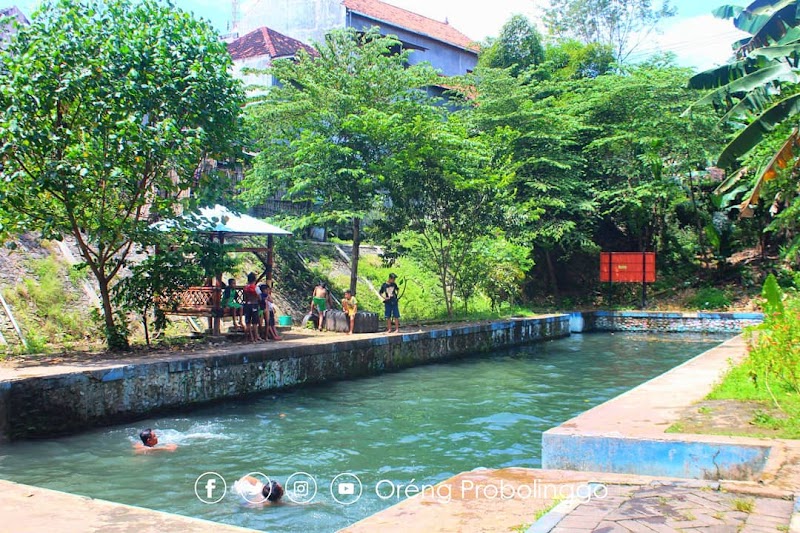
[(730, 181), (759, 7), (754, 103), (719, 76), (727, 11), (781, 159), (774, 29), (753, 133), (777, 52), (774, 72)]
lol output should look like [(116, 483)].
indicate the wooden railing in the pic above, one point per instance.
[(197, 301)]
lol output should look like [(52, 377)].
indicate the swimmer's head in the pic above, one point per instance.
[(272, 491), (148, 437)]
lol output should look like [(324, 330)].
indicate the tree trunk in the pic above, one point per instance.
[(448, 301), (698, 223), (355, 254), (551, 274), (114, 338)]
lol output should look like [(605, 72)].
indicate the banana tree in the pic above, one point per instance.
[(757, 94)]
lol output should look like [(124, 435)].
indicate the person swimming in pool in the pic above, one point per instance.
[(256, 492), (150, 443)]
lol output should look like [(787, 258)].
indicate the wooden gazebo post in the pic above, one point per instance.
[(216, 307), (270, 243)]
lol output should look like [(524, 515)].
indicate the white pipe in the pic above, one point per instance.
[(13, 322)]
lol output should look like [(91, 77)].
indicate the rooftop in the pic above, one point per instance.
[(396, 16), (266, 41)]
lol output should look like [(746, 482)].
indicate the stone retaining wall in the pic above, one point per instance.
[(41, 406), (656, 322)]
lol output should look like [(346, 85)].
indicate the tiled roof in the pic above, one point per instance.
[(383, 12), (266, 41)]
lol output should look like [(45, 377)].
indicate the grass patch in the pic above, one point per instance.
[(743, 505), (541, 512), (49, 311), (739, 384)]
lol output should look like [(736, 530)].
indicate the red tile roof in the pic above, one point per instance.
[(383, 12), (266, 41)]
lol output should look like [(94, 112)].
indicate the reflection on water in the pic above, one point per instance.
[(421, 425)]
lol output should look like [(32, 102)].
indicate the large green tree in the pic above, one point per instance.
[(621, 24), (326, 132), (518, 47), (448, 197), (108, 108)]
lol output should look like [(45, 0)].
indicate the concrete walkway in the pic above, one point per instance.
[(663, 506), (518, 499), (26, 509)]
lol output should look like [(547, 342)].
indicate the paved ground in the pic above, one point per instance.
[(26, 509), (677, 506)]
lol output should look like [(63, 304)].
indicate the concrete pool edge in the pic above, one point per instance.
[(48, 401), (627, 433), (28, 509)]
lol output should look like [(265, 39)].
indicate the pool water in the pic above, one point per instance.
[(416, 427)]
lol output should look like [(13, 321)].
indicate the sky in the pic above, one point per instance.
[(697, 38)]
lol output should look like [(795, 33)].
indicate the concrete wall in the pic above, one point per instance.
[(449, 60), (684, 458), (67, 403), (662, 322)]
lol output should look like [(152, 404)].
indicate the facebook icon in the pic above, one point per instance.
[(211, 482)]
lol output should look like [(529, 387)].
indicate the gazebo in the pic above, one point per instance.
[(223, 225)]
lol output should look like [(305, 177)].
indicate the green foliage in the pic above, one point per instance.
[(449, 191), (186, 258), (757, 94), (742, 384), (48, 312), (709, 298), (106, 103), (327, 132), (775, 344), (621, 24), (518, 47)]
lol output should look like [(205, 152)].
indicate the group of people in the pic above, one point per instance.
[(258, 308), (321, 300), (248, 487)]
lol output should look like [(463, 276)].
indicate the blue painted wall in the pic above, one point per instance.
[(673, 458)]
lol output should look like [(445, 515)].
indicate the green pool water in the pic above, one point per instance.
[(418, 427)]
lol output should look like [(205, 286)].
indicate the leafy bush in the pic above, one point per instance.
[(775, 344), (709, 298)]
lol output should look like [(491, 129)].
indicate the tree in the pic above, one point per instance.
[(643, 152), (325, 131), (518, 47), (758, 94), (621, 24), (108, 108), (448, 194)]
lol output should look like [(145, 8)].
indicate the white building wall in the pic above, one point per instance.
[(305, 20)]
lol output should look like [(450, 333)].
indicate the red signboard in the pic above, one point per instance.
[(628, 267)]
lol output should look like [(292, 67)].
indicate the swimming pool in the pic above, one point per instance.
[(416, 427)]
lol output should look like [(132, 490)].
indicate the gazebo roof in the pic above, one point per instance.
[(221, 220)]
